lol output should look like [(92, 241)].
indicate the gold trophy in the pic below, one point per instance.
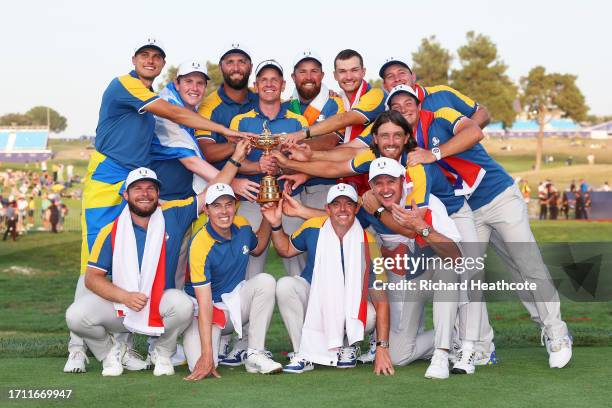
[(269, 190)]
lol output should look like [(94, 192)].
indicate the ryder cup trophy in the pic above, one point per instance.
[(269, 190)]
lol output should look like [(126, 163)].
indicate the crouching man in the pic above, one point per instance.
[(327, 309), (226, 302), (139, 251), (425, 233)]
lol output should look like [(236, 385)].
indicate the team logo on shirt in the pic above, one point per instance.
[(435, 141), (245, 249)]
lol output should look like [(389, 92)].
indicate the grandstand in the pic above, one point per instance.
[(24, 144), (530, 128)]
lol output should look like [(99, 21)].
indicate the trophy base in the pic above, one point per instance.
[(269, 191)]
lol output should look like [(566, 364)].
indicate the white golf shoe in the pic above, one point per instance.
[(258, 362), (132, 361), (464, 364), (163, 365), (559, 350), (76, 362), (438, 369), (111, 365)]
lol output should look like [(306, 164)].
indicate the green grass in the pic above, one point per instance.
[(523, 379), (37, 278)]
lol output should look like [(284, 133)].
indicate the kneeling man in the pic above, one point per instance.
[(140, 251), (429, 240), (326, 310), (226, 301)]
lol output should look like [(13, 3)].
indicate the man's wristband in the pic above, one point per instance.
[(306, 130), (277, 228), (234, 162)]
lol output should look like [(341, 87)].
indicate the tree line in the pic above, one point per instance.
[(37, 116)]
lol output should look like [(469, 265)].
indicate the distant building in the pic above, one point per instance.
[(24, 144), (602, 131), (563, 127)]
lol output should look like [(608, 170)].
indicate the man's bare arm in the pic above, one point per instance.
[(216, 152), (328, 169), (481, 117)]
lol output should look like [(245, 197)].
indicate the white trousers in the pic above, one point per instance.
[(256, 308), (507, 215), (406, 344), (94, 319), (292, 294)]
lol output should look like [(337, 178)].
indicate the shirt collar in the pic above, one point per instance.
[(282, 113), (133, 74), (211, 231)]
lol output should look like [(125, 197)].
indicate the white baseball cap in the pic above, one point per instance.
[(188, 67), (268, 64), (386, 166), (236, 47), (306, 55), (399, 89), (141, 173), (341, 189), (217, 190), (391, 61), (150, 42)]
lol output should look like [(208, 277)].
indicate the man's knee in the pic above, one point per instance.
[(371, 319), (75, 318), (401, 356), (178, 302), (265, 283), (285, 288)]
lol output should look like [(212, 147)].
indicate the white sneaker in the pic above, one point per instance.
[(111, 365), (163, 365), (133, 361), (347, 357), (439, 365), (559, 350), (76, 362), (234, 358), (298, 365), (179, 358), (465, 361), (258, 362)]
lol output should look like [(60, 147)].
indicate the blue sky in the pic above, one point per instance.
[(64, 53)]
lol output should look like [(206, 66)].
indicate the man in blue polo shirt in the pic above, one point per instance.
[(232, 98), (431, 234), (123, 141), (226, 300), (93, 316), (396, 72), (496, 204), (335, 244), (276, 116)]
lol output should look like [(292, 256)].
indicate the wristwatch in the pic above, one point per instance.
[(424, 232), (436, 152), (378, 213), (382, 344), (306, 130)]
